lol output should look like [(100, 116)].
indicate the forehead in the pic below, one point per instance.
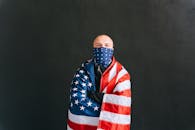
[(103, 39)]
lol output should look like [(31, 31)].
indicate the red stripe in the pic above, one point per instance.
[(119, 109), (76, 126), (112, 84), (105, 125), (124, 77), (105, 75)]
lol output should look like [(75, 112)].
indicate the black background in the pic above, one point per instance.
[(43, 42)]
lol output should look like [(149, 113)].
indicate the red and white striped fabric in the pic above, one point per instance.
[(116, 106), (115, 113)]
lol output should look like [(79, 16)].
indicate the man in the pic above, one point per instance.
[(100, 94)]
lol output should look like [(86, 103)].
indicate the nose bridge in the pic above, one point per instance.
[(102, 45)]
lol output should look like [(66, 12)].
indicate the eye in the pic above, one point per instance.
[(107, 45), (98, 45)]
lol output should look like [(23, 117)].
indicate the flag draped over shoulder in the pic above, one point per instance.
[(115, 111)]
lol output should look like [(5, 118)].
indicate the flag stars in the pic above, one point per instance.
[(71, 105), (95, 108), (75, 89), (76, 82), (89, 84), (74, 95), (76, 102), (77, 75), (82, 108), (83, 84), (83, 95), (89, 103), (83, 91), (85, 77), (83, 99), (81, 71)]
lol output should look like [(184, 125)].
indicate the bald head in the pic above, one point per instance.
[(103, 41)]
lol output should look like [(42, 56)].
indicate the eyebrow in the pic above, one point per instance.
[(97, 43), (101, 43)]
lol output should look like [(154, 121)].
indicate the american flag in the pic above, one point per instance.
[(115, 111)]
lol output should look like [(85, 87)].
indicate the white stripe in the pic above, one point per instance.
[(121, 73), (83, 119), (115, 99), (115, 118), (68, 127), (112, 72), (122, 86), (105, 89)]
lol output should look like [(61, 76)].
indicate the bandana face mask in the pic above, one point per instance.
[(103, 56)]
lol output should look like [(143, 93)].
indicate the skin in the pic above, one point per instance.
[(103, 41)]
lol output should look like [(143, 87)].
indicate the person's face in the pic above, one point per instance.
[(103, 41)]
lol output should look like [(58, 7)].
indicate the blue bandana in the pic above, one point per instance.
[(103, 56)]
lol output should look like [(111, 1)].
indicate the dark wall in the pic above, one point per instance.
[(43, 42)]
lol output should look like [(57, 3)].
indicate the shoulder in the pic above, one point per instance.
[(122, 70), (81, 71), (84, 64)]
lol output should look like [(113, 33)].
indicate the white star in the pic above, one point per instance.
[(83, 99), (76, 102), (82, 108), (89, 84), (77, 75), (86, 77), (71, 104), (74, 95), (75, 89), (83, 91), (76, 82), (96, 108), (83, 95), (83, 84), (89, 103), (81, 71)]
